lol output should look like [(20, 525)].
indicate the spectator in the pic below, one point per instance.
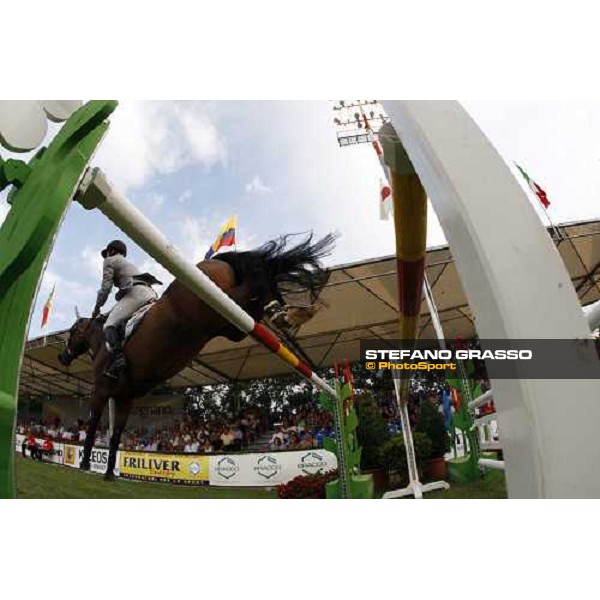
[(33, 447), (307, 441), (278, 435), (47, 446), (238, 438), (82, 434), (227, 438), (276, 444)]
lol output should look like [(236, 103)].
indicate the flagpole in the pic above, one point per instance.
[(235, 222), (530, 181)]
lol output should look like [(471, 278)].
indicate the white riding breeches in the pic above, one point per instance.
[(136, 297)]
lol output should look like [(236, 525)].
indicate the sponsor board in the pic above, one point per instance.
[(268, 469), (191, 469), (98, 459), (253, 470)]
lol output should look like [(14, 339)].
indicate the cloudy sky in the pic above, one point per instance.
[(191, 165)]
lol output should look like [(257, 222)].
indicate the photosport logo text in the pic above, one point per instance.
[(227, 467), (312, 463), (267, 466)]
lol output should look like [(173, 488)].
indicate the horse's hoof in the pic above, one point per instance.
[(109, 477), (85, 466)]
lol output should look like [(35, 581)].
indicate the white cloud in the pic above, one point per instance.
[(256, 186), (92, 261), (183, 198), (196, 236), (146, 139)]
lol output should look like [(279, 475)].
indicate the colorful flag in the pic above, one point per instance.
[(535, 188), (226, 237), (48, 308), (385, 200)]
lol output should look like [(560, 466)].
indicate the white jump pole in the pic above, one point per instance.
[(518, 288), (96, 191), (490, 463)]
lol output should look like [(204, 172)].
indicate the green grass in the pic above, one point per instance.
[(44, 480), (491, 485)]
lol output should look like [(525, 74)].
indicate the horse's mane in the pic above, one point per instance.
[(276, 264)]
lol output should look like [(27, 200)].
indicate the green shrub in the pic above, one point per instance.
[(394, 453), (372, 432), (431, 422)]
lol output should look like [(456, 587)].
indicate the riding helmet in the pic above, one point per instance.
[(116, 246)]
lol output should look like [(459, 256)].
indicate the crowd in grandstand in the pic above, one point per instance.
[(301, 428)]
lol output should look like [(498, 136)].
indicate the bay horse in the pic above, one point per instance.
[(180, 324)]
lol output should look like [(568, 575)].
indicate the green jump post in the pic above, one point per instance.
[(42, 191), (350, 482)]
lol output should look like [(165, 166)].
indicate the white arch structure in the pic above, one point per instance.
[(549, 427)]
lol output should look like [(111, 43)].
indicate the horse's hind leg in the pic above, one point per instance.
[(98, 402), (122, 410)]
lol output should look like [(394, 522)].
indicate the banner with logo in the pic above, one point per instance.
[(251, 470), (268, 469), (191, 469), (73, 455)]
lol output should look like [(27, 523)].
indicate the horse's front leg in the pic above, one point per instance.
[(97, 407), (122, 409)]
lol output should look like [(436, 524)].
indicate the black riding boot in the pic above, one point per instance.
[(116, 357)]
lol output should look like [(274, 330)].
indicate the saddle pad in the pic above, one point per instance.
[(136, 319)]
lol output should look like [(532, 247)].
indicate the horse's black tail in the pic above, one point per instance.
[(276, 263)]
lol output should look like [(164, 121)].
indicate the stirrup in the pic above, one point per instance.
[(116, 365)]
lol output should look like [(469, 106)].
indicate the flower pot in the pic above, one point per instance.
[(381, 480), (435, 468)]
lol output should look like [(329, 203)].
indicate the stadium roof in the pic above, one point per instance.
[(361, 299)]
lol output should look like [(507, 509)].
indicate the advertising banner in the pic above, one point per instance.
[(73, 455), (245, 470), (190, 469), (268, 469)]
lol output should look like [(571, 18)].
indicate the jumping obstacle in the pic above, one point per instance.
[(27, 237), (473, 192), (96, 191), (40, 195)]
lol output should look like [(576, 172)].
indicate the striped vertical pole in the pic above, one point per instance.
[(97, 192), (410, 224)]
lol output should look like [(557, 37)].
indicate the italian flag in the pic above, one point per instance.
[(48, 308), (535, 188)]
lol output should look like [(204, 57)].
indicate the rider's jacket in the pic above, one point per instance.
[(117, 271)]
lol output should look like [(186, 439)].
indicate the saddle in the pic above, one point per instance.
[(130, 326)]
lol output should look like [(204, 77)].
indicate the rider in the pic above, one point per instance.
[(134, 292)]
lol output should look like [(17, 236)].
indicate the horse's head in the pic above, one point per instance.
[(78, 342)]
